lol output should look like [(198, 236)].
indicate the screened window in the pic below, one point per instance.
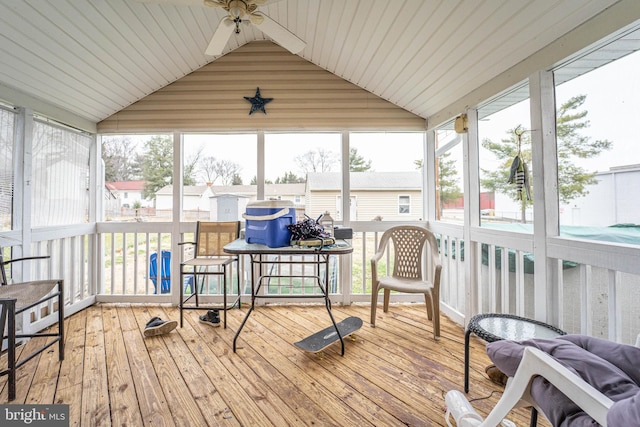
[(385, 166), (220, 173), (504, 131), (297, 162), (7, 129), (60, 168), (449, 167), (138, 177), (598, 158)]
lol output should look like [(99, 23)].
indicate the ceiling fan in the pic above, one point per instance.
[(245, 11), (241, 12)]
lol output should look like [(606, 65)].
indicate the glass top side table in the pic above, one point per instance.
[(495, 327)]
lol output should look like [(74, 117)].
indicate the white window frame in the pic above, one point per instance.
[(400, 196)]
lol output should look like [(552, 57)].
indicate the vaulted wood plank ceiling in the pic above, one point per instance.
[(95, 57)]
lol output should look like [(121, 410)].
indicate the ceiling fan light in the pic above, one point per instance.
[(237, 8)]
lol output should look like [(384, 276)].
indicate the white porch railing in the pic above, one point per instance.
[(598, 284)]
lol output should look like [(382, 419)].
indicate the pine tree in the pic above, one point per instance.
[(357, 163)]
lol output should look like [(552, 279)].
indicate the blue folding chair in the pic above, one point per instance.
[(165, 273)]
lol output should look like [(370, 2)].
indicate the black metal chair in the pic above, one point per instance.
[(18, 298), (209, 260)]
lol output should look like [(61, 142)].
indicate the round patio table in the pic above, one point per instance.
[(495, 327)]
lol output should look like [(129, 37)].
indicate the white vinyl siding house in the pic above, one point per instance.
[(377, 195), (129, 192), (196, 198)]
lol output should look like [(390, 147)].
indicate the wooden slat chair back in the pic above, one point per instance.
[(209, 260), (212, 237), (409, 243), (19, 298)]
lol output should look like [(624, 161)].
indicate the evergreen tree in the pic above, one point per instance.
[(289, 178), (254, 181), (357, 163), (157, 165), (448, 180), (237, 180)]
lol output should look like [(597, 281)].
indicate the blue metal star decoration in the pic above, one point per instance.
[(257, 102)]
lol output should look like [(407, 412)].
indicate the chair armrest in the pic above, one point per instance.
[(186, 243), (25, 259), (536, 362), (381, 250), (374, 265)]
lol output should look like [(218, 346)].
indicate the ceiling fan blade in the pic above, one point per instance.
[(280, 35), (220, 37), (174, 2)]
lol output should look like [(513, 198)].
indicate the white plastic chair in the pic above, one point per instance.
[(409, 243)]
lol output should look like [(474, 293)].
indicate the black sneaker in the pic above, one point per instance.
[(157, 326), (211, 317)]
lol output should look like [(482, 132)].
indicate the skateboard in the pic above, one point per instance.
[(322, 339)]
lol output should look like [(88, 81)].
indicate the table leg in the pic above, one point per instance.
[(466, 360), (325, 290), (534, 417), (253, 298)]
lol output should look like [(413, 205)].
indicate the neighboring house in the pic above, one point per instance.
[(129, 192), (196, 198), (248, 193), (389, 196), (293, 192)]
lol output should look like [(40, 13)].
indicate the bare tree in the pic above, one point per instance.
[(212, 169), (227, 171), (206, 168), (120, 164), (320, 160)]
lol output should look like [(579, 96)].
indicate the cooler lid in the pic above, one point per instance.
[(270, 204)]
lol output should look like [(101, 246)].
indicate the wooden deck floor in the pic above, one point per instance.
[(394, 374)]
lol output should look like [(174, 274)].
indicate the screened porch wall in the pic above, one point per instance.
[(469, 285)]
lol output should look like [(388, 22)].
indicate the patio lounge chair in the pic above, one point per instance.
[(19, 298), (572, 380)]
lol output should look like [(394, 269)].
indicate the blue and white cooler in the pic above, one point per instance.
[(267, 222)]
